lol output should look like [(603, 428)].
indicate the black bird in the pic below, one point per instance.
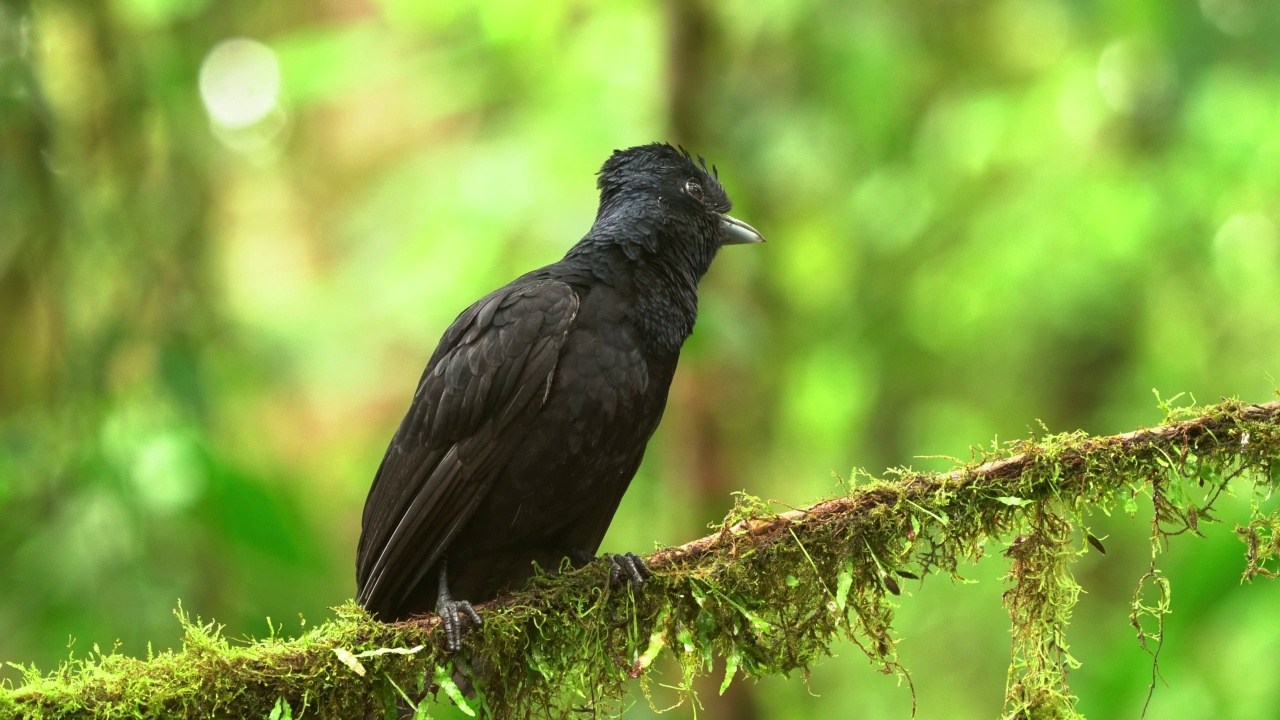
[(534, 410)]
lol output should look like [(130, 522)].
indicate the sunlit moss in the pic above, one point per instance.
[(768, 593)]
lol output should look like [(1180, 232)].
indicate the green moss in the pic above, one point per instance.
[(768, 593)]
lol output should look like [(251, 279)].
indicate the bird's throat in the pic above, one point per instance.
[(665, 311)]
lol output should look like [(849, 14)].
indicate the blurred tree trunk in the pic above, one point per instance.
[(30, 223), (691, 52)]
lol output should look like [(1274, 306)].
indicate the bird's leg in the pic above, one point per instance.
[(452, 612), (581, 558)]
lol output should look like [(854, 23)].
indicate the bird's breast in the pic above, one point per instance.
[(602, 380), (604, 402)]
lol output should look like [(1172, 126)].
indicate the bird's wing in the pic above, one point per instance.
[(493, 366)]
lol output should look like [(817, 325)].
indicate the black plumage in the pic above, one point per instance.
[(534, 411)]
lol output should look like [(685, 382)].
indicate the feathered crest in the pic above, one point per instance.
[(643, 161), (650, 153), (701, 161)]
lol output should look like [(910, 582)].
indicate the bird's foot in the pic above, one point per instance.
[(628, 566), (455, 615)]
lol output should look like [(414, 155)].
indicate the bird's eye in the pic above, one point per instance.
[(693, 190)]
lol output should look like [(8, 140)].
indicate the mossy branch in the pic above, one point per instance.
[(767, 592)]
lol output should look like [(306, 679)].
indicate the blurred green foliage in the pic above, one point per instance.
[(215, 301)]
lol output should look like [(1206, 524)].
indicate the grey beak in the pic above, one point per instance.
[(737, 232)]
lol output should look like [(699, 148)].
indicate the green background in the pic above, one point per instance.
[(981, 216)]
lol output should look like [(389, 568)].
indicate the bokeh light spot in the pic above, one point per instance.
[(1135, 77), (1247, 248), (1233, 17), (166, 473), (1033, 33), (239, 82)]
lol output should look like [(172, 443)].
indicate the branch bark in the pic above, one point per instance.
[(1189, 433)]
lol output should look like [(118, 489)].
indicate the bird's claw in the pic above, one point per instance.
[(628, 566), (454, 616)]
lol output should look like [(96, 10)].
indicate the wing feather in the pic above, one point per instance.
[(483, 385)]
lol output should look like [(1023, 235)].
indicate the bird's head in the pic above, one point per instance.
[(657, 199)]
